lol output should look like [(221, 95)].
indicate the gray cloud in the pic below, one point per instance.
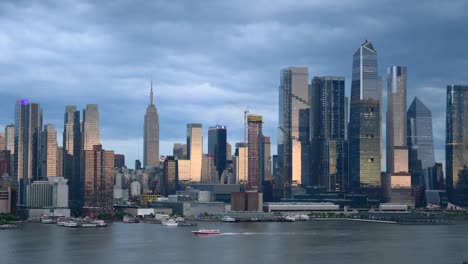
[(207, 57)]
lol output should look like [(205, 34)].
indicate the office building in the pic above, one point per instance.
[(151, 135), (170, 181), (209, 173), (179, 151), (456, 148), (2, 141), (5, 162), (183, 170), (48, 152), (329, 147), (241, 163), (293, 133), (195, 150), (397, 148), (254, 144), (420, 141), (266, 157), (48, 197), (28, 126), (217, 145), (119, 160), (72, 151), (10, 145), (365, 128), (7, 196), (138, 165), (228, 152), (59, 167), (90, 130), (98, 178)]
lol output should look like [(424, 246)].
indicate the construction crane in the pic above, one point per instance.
[(245, 111)]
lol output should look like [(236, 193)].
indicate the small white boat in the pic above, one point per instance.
[(206, 232), (46, 220), (70, 224), (228, 219), (88, 224), (99, 223), (289, 219), (170, 222)]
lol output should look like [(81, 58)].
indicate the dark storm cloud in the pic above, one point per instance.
[(210, 59)]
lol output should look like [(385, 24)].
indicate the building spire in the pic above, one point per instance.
[(151, 94)]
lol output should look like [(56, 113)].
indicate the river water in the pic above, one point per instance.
[(305, 242)]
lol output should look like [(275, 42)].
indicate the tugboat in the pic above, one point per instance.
[(206, 232)]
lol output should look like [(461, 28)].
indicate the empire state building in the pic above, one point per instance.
[(151, 135)]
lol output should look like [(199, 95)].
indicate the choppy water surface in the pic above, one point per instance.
[(307, 242)]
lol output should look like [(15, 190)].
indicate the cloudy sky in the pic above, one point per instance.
[(210, 59)]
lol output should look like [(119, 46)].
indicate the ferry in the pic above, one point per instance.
[(130, 219), (46, 220), (99, 223), (206, 232)]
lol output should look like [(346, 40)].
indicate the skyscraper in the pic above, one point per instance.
[(266, 159), (328, 127), (170, 179), (241, 162), (10, 138), (28, 125), (420, 140), (90, 131), (151, 135), (365, 128), (2, 141), (48, 152), (255, 138), (195, 150), (397, 150), (72, 154), (456, 148), (98, 178), (217, 143), (293, 133)]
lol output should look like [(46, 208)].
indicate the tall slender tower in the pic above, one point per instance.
[(397, 149), (28, 125), (151, 135), (328, 123), (365, 128), (420, 140), (293, 133), (72, 154), (49, 152), (255, 138), (456, 144), (195, 150)]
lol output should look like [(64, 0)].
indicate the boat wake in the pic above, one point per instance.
[(258, 233)]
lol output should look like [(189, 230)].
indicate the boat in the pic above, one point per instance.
[(129, 219), (206, 232), (46, 220), (61, 221), (228, 219), (170, 222), (99, 223), (186, 224), (88, 224), (289, 219), (70, 224)]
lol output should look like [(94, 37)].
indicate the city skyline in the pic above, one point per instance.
[(119, 84)]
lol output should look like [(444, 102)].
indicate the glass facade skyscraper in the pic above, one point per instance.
[(72, 154), (293, 133), (217, 140), (195, 150), (397, 150), (28, 126), (420, 140), (49, 148), (328, 127), (365, 120), (151, 135), (90, 131), (456, 148)]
